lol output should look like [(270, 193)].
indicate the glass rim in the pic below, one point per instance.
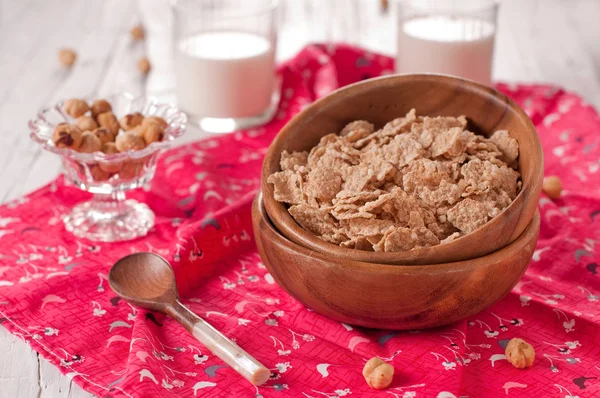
[(269, 6), (443, 7)]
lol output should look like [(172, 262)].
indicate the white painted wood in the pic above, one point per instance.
[(19, 372), (552, 41)]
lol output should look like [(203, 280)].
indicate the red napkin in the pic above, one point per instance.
[(54, 294)]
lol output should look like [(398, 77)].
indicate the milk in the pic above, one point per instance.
[(225, 74), (457, 46)]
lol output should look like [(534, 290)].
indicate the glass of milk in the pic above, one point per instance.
[(224, 55), (453, 37)]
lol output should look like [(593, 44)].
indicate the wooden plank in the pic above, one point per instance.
[(52, 383), (18, 368), (547, 45)]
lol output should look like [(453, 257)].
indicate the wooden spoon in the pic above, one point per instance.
[(148, 281)]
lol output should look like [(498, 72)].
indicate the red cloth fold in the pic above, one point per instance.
[(54, 294)]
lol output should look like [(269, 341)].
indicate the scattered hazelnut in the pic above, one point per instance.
[(129, 141), (89, 143), (144, 66), (75, 107), (520, 353), (67, 136), (137, 32), (384, 5), (86, 123), (130, 121), (131, 170), (378, 373), (151, 132), (104, 135), (100, 106), (109, 148), (109, 121), (552, 186), (155, 119), (67, 57), (98, 174)]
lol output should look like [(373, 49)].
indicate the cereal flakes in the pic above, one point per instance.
[(416, 182)]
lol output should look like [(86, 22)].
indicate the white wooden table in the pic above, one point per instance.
[(553, 41)]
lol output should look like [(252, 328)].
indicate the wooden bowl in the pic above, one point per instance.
[(383, 99), (382, 296)]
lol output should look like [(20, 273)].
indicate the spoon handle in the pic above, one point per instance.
[(232, 354)]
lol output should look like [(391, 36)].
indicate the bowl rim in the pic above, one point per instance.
[(175, 129), (531, 187), (259, 213)]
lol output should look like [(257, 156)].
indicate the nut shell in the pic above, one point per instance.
[(520, 353), (109, 148), (151, 132), (89, 143), (104, 135), (144, 66), (100, 106), (155, 119), (98, 174), (137, 32), (131, 169), (131, 121), (86, 123), (75, 107), (129, 142), (67, 57), (67, 136), (378, 373), (552, 186), (109, 121)]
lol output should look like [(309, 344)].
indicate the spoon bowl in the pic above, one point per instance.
[(147, 280), (144, 279)]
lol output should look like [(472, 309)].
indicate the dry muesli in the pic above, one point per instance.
[(416, 182)]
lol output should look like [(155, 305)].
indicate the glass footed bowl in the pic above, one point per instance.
[(109, 216)]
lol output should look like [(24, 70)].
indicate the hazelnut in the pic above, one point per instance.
[(378, 374), (157, 120), (137, 32), (100, 106), (86, 123), (89, 143), (131, 170), (98, 174), (130, 121), (137, 131), (75, 107), (384, 5), (67, 136), (104, 135), (520, 353), (67, 57), (129, 142), (552, 186), (109, 148), (144, 66), (109, 121), (151, 132)]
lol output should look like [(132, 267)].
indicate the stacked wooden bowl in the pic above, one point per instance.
[(423, 287)]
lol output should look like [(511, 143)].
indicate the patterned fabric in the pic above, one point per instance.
[(54, 293)]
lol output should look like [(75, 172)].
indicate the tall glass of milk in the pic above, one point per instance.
[(224, 53), (453, 37)]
